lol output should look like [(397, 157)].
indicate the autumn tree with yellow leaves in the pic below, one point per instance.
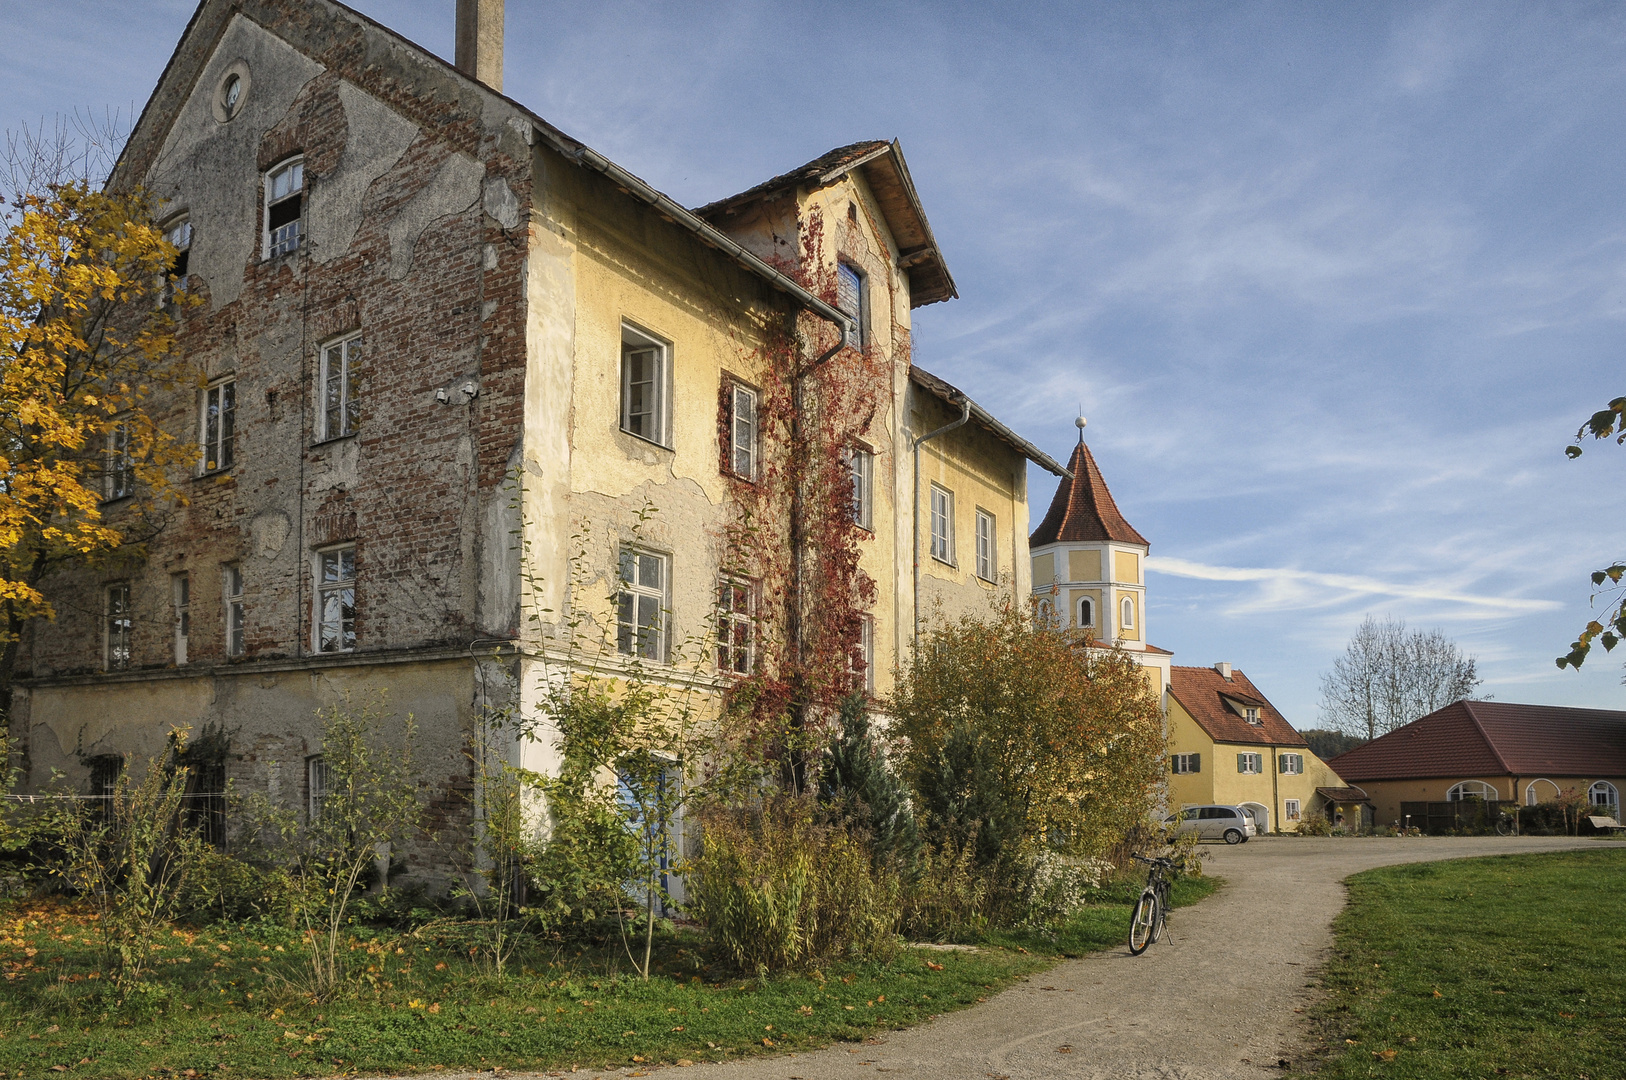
[(87, 347)]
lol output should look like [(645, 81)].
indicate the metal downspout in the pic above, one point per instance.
[(915, 536)]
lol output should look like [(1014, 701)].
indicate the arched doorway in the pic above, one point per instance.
[(1261, 815)]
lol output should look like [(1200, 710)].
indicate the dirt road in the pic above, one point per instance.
[(1215, 1002)]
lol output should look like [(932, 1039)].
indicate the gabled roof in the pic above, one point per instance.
[(1494, 738), (1083, 508), (883, 167), (1202, 691), (203, 32), (985, 420)]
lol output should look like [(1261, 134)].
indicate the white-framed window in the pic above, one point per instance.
[(341, 396), (336, 599), (284, 207), (1604, 794), (1290, 809), (1291, 764), (1471, 789), (735, 611), (119, 472), (219, 426), (862, 463), (318, 780), (987, 560), (644, 380), (861, 661), (1185, 763), (742, 431), (180, 588), (1086, 613), (1540, 791), (942, 524), (1250, 713), (850, 289), (120, 621), (1126, 613), (1250, 763), (640, 606), (179, 234), (232, 590)]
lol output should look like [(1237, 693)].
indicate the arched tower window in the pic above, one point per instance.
[(1126, 613), (1086, 612)]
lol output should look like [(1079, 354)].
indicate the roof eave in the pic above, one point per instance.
[(955, 396)]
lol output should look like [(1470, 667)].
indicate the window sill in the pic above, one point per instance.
[(118, 499), (330, 440), (648, 441), (945, 562), (215, 474)]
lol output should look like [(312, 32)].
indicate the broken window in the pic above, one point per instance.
[(640, 607), (181, 589), (861, 658), (284, 204), (942, 521), (179, 234), (850, 302), (219, 425), (119, 474), (233, 591), (120, 624), (336, 599), (862, 463), (734, 613), (341, 398), (987, 564), (643, 386)]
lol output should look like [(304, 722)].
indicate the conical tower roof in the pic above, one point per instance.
[(1083, 508)]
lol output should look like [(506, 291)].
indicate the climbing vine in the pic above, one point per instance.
[(791, 528)]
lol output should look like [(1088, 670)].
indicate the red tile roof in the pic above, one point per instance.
[(1494, 738), (1202, 691), (1083, 508), (1343, 794)]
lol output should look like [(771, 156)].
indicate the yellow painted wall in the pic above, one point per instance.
[(1044, 569), (1387, 795), (1073, 597), (1126, 567), (1084, 566)]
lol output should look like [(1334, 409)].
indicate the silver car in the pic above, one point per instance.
[(1232, 824)]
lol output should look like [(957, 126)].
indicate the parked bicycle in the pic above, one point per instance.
[(1146, 924)]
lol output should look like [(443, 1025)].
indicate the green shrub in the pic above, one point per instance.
[(860, 784), (777, 889), (1314, 825), (945, 900)]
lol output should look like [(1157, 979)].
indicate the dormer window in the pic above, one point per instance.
[(284, 205), (1250, 714)]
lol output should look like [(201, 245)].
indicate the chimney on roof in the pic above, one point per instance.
[(1224, 669), (479, 41)]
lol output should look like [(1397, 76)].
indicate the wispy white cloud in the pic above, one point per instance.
[(1312, 588)]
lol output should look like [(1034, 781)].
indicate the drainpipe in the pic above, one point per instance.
[(965, 415), (1275, 788)]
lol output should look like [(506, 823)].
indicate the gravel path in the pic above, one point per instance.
[(1216, 1002)]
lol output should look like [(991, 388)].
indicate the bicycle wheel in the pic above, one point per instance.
[(1144, 922), (1503, 826)]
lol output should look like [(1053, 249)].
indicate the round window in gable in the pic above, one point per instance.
[(232, 92)]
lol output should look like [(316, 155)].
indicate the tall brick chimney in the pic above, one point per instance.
[(479, 41)]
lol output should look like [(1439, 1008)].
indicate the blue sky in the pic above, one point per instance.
[(1334, 284)]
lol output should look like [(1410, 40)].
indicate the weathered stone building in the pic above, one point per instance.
[(452, 358)]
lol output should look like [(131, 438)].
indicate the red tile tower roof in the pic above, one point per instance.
[(1083, 508), (1494, 738), (1202, 691)]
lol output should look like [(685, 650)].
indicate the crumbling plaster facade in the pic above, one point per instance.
[(491, 277)]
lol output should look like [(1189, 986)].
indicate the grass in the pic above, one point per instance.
[(225, 1000), (1507, 966)]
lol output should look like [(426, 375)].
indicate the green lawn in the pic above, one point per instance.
[(1508, 966), (226, 1001)]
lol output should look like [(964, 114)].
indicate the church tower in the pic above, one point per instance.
[(1089, 564)]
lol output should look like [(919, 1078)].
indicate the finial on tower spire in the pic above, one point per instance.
[(1079, 423)]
